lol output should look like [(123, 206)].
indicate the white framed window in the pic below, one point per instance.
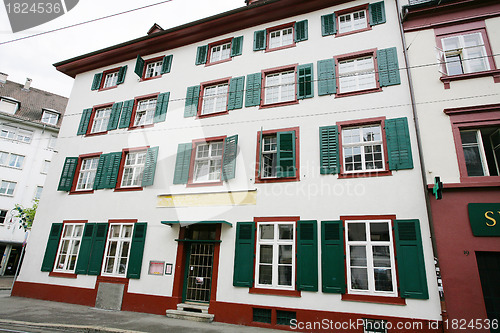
[(275, 255), (370, 258), (220, 52), (133, 169), (24, 135), (7, 188), (481, 149), (3, 215), (101, 120), (145, 112), (117, 249), (208, 162), (357, 74), (45, 167), (280, 87), (69, 247), (8, 132), (153, 69), (86, 176), (269, 156), (38, 192), (353, 21), (51, 144), (281, 37), (50, 118), (110, 80), (214, 99), (11, 160), (465, 53), (16, 133), (362, 149)]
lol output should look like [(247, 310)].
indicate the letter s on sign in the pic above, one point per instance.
[(494, 222)]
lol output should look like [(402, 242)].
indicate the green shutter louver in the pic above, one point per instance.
[(328, 25), (329, 150), (398, 144), (67, 174), (82, 264), (182, 163), (100, 173), (229, 157), (137, 251), (307, 256), (192, 99), (96, 83), (332, 257), (327, 84), (236, 89), (148, 176), (139, 66), (121, 75), (285, 166), (107, 170), (252, 97), (51, 250), (167, 64), (388, 67), (128, 107), (305, 81), (236, 46), (84, 122), (410, 259), (161, 107), (244, 255), (98, 246), (259, 40), (201, 55), (114, 117), (377, 13), (301, 31)]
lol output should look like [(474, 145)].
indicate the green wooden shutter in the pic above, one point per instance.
[(182, 163), (261, 134), (100, 174), (301, 31), (112, 166), (328, 26), (332, 257), (51, 250), (252, 97), (388, 67), (329, 150), (84, 122), (236, 89), (229, 158), (259, 40), (305, 81), (398, 144), (307, 256), (67, 174), (82, 264), (244, 254), (137, 251), (161, 107), (286, 154), (167, 64), (236, 46), (98, 246), (377, 13), (96, 83), (148, 176), (114, 117), (410, 259), (201, 55), (191, 104), (121, 75), (327, 84), (126, 116), (139, 66)]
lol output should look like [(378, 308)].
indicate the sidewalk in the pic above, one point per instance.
[(44, 315), (6, 282)]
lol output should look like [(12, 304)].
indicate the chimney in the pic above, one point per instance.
[(3, 77), (27, 84)]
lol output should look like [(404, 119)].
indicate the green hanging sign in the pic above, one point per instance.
[(485, 219)]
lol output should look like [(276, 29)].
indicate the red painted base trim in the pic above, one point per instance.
[(374, 299), (63, 275), (262, 291), (49, 292)]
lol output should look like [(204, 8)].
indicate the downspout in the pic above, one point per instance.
[(401, 17)]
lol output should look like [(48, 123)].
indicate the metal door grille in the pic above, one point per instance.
[(199, 277)]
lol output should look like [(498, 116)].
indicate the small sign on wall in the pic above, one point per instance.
[(156, 267), (168, 269), (485, 219)]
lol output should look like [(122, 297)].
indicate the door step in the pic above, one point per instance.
[(194, 312)]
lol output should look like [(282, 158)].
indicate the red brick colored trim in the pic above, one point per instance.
[(204, 85), (350, 10), (57, 293), (224, 41), (146, 62), (354, 55), (277, 292), (197, 142), (275, 70), (374, 299), (92, 116), (280, 27), (103, 78), (134, 110), (63, 275), (77, 173), (125, 151)]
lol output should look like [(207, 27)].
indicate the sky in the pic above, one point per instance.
[(34, 57)]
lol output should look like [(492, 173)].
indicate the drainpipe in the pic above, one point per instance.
[(444, 314)]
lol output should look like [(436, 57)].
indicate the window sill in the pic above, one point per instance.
[(63, 275), (108, 88), (280, 47), (276, 180), (128, 189), (353, 32), (96, 133), (374, 299), (214, 114), (218, 62), (150, 78), (358, 92), (217, 183), (11, 167), (447, 79), (277, 292), (365, 174), (81, 192), (273, 105), (7, 195), (131, 128)]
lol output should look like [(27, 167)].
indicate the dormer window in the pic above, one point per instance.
[(50, 117), (9, 105)]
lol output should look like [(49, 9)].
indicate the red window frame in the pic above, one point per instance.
[(195, 144), (92, 116), (134, 111), (259, 180), (356, 55), (77, 173), (146, 62), (211, 45), (275, 70), (363, 122), (125, 151), (103, 78), (338, 13), (202, 92), (280, 27)]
